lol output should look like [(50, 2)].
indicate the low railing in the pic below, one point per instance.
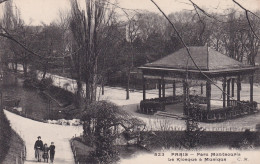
[(19, 159), (233, 102)]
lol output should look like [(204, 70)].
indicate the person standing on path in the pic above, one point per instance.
[(52, 151), (38, 147), (45, 153)]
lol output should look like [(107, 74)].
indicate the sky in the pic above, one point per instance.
[(35, 12)]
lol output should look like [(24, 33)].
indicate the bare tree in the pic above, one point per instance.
[(132, 30), (88, 30)]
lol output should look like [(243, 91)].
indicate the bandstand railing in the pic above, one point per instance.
[(151, 106), (237, 109)]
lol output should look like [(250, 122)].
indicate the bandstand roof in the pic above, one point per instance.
[(207, 59)]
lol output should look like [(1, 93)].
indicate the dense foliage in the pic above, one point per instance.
[(104, 122)]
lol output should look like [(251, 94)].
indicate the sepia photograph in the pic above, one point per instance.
[(130, 81)]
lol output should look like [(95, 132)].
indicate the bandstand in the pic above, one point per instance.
[(178, 67)]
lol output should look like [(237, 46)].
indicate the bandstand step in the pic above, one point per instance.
[(171, 115)]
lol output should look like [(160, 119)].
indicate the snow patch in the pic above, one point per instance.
[(74, 122)]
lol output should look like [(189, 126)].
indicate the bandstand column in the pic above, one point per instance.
[(228, 92), (163, 87), (238, 87), (224, 90), (201, 89), (174, 88), (232, 87), (208, 94), (144, 88), (160, 87), (251, 80), (184, 84)]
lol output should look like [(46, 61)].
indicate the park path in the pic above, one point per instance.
[(29, 130)]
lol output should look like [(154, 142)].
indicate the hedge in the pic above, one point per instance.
[(5, 133)]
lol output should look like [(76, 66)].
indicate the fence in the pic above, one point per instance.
[(21, 158)]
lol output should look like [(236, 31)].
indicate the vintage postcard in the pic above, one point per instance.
[(129, 81)]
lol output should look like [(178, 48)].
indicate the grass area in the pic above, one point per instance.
[(16, 150)]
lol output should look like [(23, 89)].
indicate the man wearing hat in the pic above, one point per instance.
[(38, 147)]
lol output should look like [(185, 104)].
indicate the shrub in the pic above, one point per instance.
[(28, 83), (101, 126), (62, 95), (45, 83)]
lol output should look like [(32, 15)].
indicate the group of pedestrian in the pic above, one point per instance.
[(43, 151)]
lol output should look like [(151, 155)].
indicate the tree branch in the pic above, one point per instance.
[(1, 1), (20, 44), (247, 17), (245, 9), (8, 36), (249, 23), (204, 12)]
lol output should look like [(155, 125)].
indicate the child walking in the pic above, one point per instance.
[(45, 153), (52, 152)]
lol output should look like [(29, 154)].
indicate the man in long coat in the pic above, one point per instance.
[(38, 147)]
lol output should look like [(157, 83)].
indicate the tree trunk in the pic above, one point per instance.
[(25, 69), (45, 70), (102, 86), (94, 88), (12, 66), (44, 74), (91, 84), (15, 69), (78, 99), (128, 86)]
